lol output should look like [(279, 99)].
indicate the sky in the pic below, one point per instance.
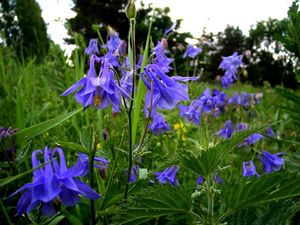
[(213, 15)]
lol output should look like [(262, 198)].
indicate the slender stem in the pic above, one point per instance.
[(210, 201), (5, 213), (93, 146), (132, 38)]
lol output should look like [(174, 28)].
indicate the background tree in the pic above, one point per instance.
[(35, 41)]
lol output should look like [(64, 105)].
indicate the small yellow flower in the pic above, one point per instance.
[(180, 129), (99, 145)]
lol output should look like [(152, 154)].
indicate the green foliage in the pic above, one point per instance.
[(275, 213), (266, 188), (154, 203), (205, 161), (37, 129)]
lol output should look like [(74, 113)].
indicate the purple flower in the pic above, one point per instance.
[(99, 91), (271, 162), (81, 168), (159, 125), (51, 182), (230, 64), (252, 139), (192, 51), (200, 180), (160, 59), (168, 176), (270, 132), (113, 43), (212, 103), (134, 173), (191, 113), (8, 146), (218, 179), (249, 169), (227, 130), (241, 126), (166, 92), (92, 48)]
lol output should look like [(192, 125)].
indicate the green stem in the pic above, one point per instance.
[(93, 146), (5, 213), (210, 202), (133, 46)]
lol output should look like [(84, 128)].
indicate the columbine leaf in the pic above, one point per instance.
[(153, 203), (268, 187), (206, 162), (37, 129)]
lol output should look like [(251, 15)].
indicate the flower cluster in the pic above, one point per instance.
[(271, 162), (52, 182), (244, 99), (207, 103), (230, 64), (102, 89)]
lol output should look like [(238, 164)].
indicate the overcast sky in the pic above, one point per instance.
[(214, 15)]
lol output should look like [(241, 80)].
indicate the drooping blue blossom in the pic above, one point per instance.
[(113, 43), (191, 113), (218, 179), (200, 180), (161, 59), (164, 91), (54, 181), (244, 99), (82, 165), (134, 174), (192, 51), (159, 125), (227, 130), (212, 103), (270, 132), (92, 48), (99, 91), (168, 176), (249, 169), (271, 162), (241, 126), (230, 64), (252, 139)]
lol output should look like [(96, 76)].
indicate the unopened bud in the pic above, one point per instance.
[(130, 9), (104, 134)]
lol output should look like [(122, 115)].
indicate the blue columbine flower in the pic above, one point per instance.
[(166, 91), (230, 64), (51, 182), (271, 162), (218, 179), (249, 169), (191, 113), (200, 180), (99, 91), (241, 126), (81, 168), (212, 102), (92, 48), (252, 139), (168, 176), (192, 51), (227, 130), (159, 125), (160, 58), (270, 132), (134, 173)]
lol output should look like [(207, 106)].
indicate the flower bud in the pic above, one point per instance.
[(130, 9)]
